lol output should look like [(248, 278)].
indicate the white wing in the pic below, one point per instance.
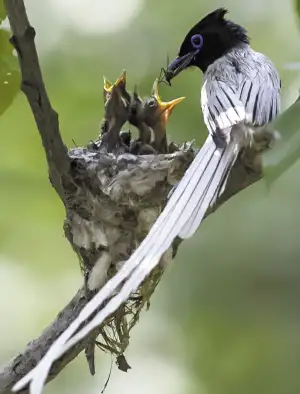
[(243, 86), (221, 106)]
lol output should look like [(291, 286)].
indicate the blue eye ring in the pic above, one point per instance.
[(197, 41)]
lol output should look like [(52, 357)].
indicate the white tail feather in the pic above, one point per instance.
[(209, 186)]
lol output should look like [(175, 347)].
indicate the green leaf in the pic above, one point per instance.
[(9, 72), (286, 151), (2, 11)]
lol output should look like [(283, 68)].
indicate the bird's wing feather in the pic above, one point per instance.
[(221, 106), (250, 95), (261, 97)]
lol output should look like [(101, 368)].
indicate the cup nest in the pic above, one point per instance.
[(117, 189)]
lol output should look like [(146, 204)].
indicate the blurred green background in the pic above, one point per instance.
[(226, 316)]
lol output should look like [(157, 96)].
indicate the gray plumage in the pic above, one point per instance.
[(242, 86)]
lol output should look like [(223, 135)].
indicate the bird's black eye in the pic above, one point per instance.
[(197, 41), (151, 102)]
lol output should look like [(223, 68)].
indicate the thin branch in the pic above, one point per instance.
[(33, 87)]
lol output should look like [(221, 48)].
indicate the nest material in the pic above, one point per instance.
[(115, 196), (112, 205)]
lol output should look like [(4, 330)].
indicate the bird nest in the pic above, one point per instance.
[(118, 189)]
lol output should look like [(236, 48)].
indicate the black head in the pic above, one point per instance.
[(207, 41)]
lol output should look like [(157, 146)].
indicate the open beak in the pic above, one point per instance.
[(120, 82), (108, 86), (165, 108), (179, 64)]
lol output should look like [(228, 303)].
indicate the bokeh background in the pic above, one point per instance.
[(226, 316)]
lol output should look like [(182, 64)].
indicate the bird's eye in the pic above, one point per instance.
[(197, 41), (151, 102)]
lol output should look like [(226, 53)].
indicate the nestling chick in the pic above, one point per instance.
[(117, 111), (116, 99), (136, 118), (140, 146), (156, 115)]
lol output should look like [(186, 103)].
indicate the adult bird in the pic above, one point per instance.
[(240, 94)]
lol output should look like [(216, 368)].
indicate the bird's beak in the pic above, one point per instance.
[(120, 82), (165, 108), (107, 85), (179, 64)]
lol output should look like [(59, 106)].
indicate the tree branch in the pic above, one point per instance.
[(33, 87)]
